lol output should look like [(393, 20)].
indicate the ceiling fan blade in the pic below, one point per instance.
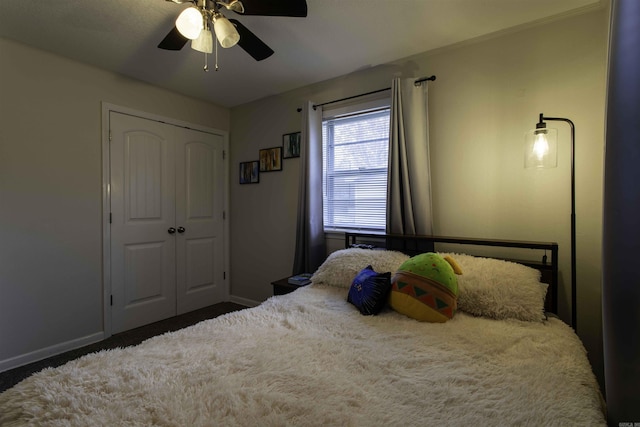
[(251, 43), (295, 8), (173, 41)]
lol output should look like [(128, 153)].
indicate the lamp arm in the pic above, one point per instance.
[(573, 214), (573, 157)]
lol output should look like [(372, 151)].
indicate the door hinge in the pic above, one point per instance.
[(224, 215), (224, 154), (224, 275), (110, 217), (111, 300), (110, 136)]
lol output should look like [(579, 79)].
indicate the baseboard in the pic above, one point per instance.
[(34, 356), (244, 301)]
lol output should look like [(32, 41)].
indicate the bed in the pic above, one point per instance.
[(311, 358)]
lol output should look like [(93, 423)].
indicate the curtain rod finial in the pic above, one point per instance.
[(424, 79)]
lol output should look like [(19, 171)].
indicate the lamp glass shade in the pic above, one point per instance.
[(204, 42), (226, 33), (189, 23), (541, 148)]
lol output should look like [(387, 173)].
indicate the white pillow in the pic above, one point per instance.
[(342, 266), (499, 289)]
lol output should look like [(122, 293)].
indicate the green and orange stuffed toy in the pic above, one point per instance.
[(425, 288)]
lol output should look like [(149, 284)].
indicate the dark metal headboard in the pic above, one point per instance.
[(414, 245)]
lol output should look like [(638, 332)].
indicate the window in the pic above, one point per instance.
[(354, 180)]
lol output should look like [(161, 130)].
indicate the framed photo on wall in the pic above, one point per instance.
[(291, 144), (271, 159), (250, 172)]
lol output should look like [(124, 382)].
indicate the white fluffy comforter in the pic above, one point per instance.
[(309, 358)]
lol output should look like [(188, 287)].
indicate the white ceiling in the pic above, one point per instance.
[(338, 37)]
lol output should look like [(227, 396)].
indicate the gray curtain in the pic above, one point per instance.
[(310, 240), (409, 178)]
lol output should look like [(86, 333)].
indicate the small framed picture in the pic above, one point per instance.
[(250, 172), (271, 159), (291, 144)]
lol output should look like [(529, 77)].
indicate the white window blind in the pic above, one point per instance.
[(355, 160)]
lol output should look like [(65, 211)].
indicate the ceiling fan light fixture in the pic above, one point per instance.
[(204, 42), (189, 23), (235, 5), (225, 31)]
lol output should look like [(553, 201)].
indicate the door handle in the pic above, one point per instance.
[(171, 230), (181, 230)]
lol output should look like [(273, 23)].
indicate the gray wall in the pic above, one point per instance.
[(51, 294), (488, 93)]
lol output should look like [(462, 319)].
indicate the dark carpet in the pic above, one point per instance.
[(124, 339)]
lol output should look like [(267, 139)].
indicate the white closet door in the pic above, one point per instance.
[(199, 210), (143, 267)]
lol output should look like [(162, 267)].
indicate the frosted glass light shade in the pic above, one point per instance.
[(189, 23), (541, 148), (204, 42), (226, 33)]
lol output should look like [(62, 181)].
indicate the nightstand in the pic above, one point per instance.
[(282, 286)]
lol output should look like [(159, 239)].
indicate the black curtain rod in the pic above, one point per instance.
[(417, 83)]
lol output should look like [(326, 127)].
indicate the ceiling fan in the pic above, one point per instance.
[(196, 23)]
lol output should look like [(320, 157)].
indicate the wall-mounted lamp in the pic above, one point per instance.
[(541, 151)]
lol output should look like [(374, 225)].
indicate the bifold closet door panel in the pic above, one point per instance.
[(199, 217), (143, 246)]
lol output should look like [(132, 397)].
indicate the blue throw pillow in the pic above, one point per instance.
[(369, 291)]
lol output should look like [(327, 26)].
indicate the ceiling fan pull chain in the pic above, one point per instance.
[(206, 64), (215, 42)]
